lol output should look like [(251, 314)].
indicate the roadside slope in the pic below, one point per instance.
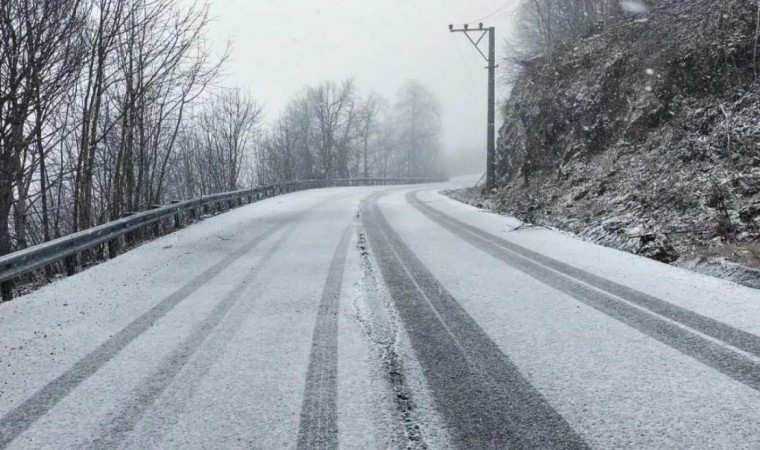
[(644, 137)]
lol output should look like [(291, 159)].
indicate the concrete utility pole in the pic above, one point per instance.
[(491, 60)]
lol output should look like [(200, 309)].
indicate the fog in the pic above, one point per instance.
[(280, 46)]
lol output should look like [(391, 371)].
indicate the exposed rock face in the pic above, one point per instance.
[(644, 137)]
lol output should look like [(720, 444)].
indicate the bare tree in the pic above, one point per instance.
[(217, 149), (331, 131), (418, 115), (109, 18), (93, 95), (371, 107), (164, 67), (333, 109), (39, 58)]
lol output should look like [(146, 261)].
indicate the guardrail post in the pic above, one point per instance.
[(70, 262), (177, 216), (157, 225), (6, 291), (129, 238), (114, 245)]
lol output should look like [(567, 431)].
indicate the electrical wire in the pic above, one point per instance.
[(464, 62), (496, 11)]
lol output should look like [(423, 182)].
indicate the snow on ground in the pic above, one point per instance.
[(200, 375), (617, 386), (720, 299), (46, 332)]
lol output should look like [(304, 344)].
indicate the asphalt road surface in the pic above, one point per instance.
[(373, 318)]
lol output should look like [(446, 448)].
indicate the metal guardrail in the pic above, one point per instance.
[(17, 264)]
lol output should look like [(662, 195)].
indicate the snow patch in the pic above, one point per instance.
[(634, 6)]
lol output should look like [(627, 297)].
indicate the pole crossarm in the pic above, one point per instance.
[(474, 42)]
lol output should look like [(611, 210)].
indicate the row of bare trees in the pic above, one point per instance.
[(333, 131), (108, 107), (214, 151)]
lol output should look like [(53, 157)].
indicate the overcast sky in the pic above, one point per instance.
[(279, 46)]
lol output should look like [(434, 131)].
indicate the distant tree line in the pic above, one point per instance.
[(333, 131)]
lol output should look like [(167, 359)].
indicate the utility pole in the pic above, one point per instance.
[(491, 60)]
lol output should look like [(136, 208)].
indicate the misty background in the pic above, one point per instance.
[(278, 47), (111, 107)]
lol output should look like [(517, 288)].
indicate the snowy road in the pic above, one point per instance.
[(379, 317)]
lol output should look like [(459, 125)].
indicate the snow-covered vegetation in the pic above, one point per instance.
[(641, 131)]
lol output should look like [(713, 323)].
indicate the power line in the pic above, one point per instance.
[(496, 11), (464, 62)]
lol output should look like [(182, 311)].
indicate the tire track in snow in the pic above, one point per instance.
[(377, 316), (148, 392), (23, 416), (481, 394), (733, 352), (318, 427)]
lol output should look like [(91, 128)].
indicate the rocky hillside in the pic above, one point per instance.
[(645, 136)]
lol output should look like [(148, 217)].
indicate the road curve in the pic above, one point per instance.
[(379, 317)]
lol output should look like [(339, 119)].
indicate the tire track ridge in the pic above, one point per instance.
[(483, 397), (318, 425), (662, 323)]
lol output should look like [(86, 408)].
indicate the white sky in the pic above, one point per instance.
[(279, 46)]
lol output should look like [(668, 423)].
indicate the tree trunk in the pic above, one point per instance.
[(6, 201)]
